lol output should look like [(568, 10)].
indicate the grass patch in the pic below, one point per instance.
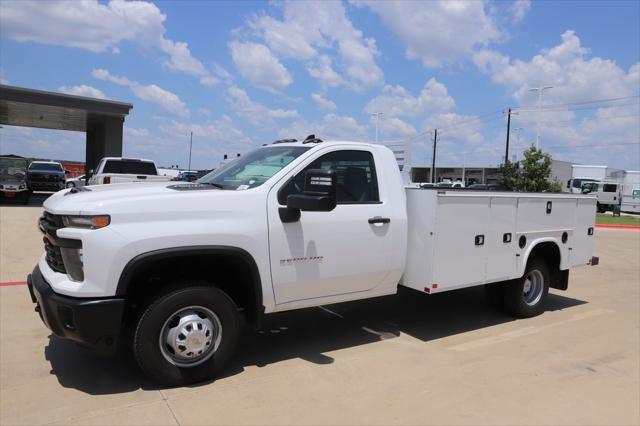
[(607, 219)]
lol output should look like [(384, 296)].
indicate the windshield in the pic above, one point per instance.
[(14, 167), (49, 167), (577, 183), (253, 169)]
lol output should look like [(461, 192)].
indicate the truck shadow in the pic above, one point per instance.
[(35, 200), (308, 334)]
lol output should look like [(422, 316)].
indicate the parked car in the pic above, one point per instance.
[(487, 187), (285, 227), (186, 176), (76, 181), (13, 179), (124, 170), (456, 184), (45, 176)]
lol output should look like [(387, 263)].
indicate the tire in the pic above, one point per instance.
[(168, 364), (524, 305), (602, 208), (70, 185), (25, 197)]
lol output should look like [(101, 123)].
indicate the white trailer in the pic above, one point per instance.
[(631, 192)]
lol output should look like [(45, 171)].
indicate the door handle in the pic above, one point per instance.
[(379, 219)]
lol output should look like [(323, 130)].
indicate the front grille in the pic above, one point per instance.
[(53, 256), (49, 224)]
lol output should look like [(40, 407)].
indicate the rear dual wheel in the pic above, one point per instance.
[(186, 335), (523, 297)]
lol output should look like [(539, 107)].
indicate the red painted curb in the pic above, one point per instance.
[(10, 283), (598, 225)]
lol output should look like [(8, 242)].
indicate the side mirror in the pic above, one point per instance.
[(319, 192), (319, 195), (66, 172)]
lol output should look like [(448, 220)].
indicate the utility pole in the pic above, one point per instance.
[(377, 115), (433, 158), (190, 145), (506, 150), (539, 90)]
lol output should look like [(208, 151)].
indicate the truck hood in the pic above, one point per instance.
[(126, 198)]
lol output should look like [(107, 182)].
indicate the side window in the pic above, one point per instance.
[(357, 181), (608, 187)]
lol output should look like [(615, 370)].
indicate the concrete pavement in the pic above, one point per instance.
[(406, 359)]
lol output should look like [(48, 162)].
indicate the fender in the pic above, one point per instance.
[(561, 280), (175, 252), (534, 244)]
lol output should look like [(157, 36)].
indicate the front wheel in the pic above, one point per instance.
[(602, 208), (71, 185), (186, 335), (525, 297)]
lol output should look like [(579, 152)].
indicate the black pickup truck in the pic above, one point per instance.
[(45, 176)]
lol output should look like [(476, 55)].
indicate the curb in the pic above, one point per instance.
[(598, 225)]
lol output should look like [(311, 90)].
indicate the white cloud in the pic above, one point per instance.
[(256, 63), (567, 67), (312, 28), (253, 112), (169, 101), (96, 27), (398, 101), (322, 70), (438, 32), (323, 103), (575, 77), (83, 90), (519, 9), (332, 127)]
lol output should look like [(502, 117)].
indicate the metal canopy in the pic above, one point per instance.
[(36, 108)]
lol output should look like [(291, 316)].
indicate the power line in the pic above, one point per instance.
[(592, 101), (598, 145)]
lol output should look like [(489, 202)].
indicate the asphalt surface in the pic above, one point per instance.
[(406, 359)]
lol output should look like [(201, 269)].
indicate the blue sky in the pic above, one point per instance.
[(239, 74)]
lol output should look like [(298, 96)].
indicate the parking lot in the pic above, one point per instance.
[(405, 359)]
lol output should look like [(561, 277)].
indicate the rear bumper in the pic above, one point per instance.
[(95, 323)]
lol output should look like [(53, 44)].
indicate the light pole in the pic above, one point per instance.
[(539, 90), (517, 131), (190, 145), (377, 115)]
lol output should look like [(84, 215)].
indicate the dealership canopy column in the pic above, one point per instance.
[(102, 120)]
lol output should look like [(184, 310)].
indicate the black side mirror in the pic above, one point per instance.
[(319, 195)]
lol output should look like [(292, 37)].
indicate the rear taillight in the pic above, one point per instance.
[(106, 180)]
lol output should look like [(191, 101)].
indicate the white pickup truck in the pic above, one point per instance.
[(125, 170), (170, 270)]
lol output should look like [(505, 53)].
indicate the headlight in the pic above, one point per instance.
[(91, 222), (22, 186)]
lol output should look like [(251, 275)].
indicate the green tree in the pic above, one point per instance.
[(530, 174)]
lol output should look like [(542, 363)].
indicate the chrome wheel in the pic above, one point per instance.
[(533, 287), (70, 184), (190, 336)]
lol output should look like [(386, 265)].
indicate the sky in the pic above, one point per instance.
[(241, 74)]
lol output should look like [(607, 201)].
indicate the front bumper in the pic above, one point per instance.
[(46, 186), (95, 323)]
